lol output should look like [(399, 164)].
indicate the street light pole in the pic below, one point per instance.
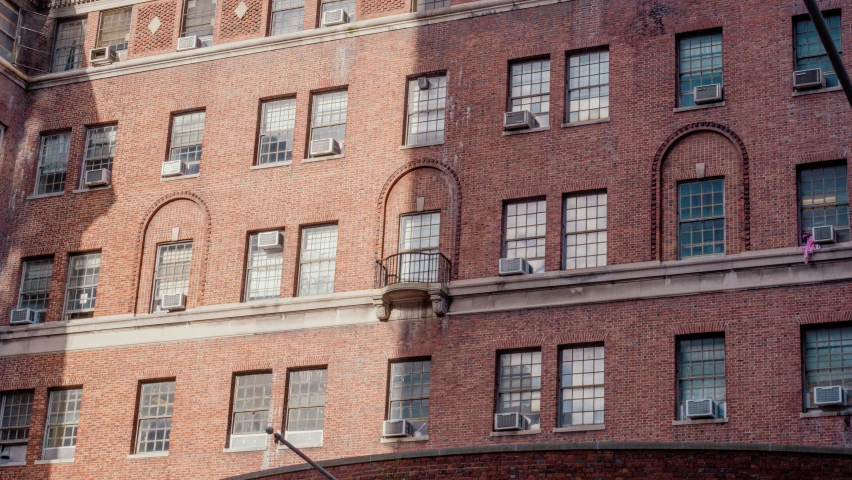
[(280, 439), (830, 48)]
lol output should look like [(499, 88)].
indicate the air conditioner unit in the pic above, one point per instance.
[(102, 56), (824, 234), (423, 83), (326, 146), (173, 302), (269, 240), (396, 428), (188, 43), (807, 79), (335, 17), (508, 421), (98, 178), (708, 94), (518, 120), (704, 408), (514, 266), (827, 396), (173, 168), (23, 316)]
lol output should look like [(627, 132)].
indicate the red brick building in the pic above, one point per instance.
[(222, 215)]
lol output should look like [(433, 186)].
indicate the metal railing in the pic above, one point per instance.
[(413, 267)]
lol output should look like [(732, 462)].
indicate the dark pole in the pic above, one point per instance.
[(830, 48), (280, 438)]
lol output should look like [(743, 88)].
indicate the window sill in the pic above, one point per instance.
[(320, 159), (526, 130), (49, 462), (428, 144), (301, 447), (179, 177), (86, 190), (516, 433), (586, 122), (13, 464), (700, 422), (839, 413), (46, 195), (270, 165), (424, 438), (698, 107), (579, 428), (148, 455), (797, 93), (244, 449)]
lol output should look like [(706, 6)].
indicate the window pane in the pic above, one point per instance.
[(82, 290), (317, 260), (588, 86), (287, 16), (68, 48), (824, 199), (187, 137), (810, 52), (115, 28), (329, 116), (529, 89), (700, 63), (519, 385), (585, 231), (276, 136), (263, 278), (252, 395), (199, 17), (172, 272), (828, 359), (8, 28), (35, 286), (100, 149), (525, 231), (582, 401), (701, 213), (15, 416), (426, 111), (419, 238), (156, 402), (409, 394), (306, 400), (701, 369), (423, 5), (62, 417), (53, 163)]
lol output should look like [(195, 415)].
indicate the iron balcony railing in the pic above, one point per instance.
[(413, 267)]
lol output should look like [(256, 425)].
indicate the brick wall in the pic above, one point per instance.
[(142, 41)]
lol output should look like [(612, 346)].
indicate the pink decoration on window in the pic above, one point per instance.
[(810, 247)]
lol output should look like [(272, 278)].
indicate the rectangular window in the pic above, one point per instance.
[(828, 359), (8, 30), (317, 260), (423, 5), (519, 385), (525, 230), (263, 271), (276, 131), (530, 89), (824, 199), (810, 52), (426, 110), (15, 411), (329, 116), (418, 235), (585, 231), (288, 16), (68, 45), (100, 150), (701, 371), (701, 207), (114, 30), (53, 163), (154, 421), (187, 137), (347, 5), (35, 286), (700, 63), (171, 274), (582, 384), (82, 289), (63, 415), (588, 86), (250, 415), (199, 17), (409, 394), (306, 407)]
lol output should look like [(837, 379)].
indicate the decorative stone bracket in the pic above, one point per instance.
[(437, 294)]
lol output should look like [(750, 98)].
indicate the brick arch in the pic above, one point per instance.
[(656, 179)]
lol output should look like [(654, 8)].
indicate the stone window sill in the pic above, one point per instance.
[(698, 107), (96, 189), (839, 413), (270, 165), (301, 447), (586, 122), (46, 195), (579, 428), (320, 159), (700, 422), (797, 93), (244, 449), (58, 460), (526, 130), (179, 177), (424, 438), (13, 464), (516, 433), (419, 145), (148, 455)]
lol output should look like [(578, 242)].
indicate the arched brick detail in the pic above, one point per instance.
[(830, 317), (656, 180), (701, 327)]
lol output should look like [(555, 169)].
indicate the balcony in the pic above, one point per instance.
[(409, 277)]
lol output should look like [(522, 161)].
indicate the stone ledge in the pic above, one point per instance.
[(49, 462), (179, 177), (839, 413), (510, 133), (137, 456), (421, 145), (513, 433), (708, 421), (13, 464), (579, 428), (698, 107), (244, 449), (323, 158), (586, 122), (802, 93), (424, 438), (271, 165)]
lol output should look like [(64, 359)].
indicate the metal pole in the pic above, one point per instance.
[(830, 48), (280, 438)]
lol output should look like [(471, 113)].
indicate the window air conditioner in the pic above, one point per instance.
[(708, 94), (423, 83), (824, 234), (173, 168), (518, 120), (188, 43), (269, 240), (102, 56), (807, 79), (828, 396), (508, 421), (98, 178), (324, 147), (23, 316), (335, 17), (396, 428), (173, 302), (704, 408), (514, 266)]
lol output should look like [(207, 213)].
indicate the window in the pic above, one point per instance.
[(530, 89), (53, 163), (426, 111), (276, 131), (347, 5), (824, 199), (582, 384), (82, 289), (68, 45), (8, 30), (828, 359), (288, 16), (329, 116), (585, 231), (317, 260), (700, 64), (810, 53), (423, 5), (35, 286), (15, 414), (100, 150), (263, 275), (115, 28), (63, 415), (702, 218), (409, 394), (187, 137), (519, 385), (199, 17), (525, 230), (154, 422), (419, 237), (588, 86), (701, 371), (171, 274), (306, 407), (250, 415)]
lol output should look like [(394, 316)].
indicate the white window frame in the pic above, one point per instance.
[(63, 452), (69, 290)]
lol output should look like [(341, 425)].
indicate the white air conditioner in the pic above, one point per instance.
[(828, 396), (173, 168), (269, 240), (704, 408), (708, 94), (518, 120), (423, 83), (824, 234), (807, 79), (326, 146), (98, 178), (335, 17), (508, 421), (102, 56), (396, 428), (173, 302), (514, 266), (188, 43), (23, 316)]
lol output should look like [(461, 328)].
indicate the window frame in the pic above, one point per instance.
[(680, 405), (55, 47), (43, 136), (800, 208), (497, 390), (504, 247), (288, 401), (137, 417), (415, 5), (247, 270), (40, 314), (806, 18), (389, 397), (302, 240), (410, 88), (561, 388), (59, 450), (17, 24), (4, 397), (351, 14), (567, 92), (261, 132), (272, 12), (833, 410), (678, 72), (233, 410), (598, 231), (312, 121), (207, 38), (86, 159), (171, 143), (723, 217), (65, 311), (126, 44), (510, 98), (154, 279)]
